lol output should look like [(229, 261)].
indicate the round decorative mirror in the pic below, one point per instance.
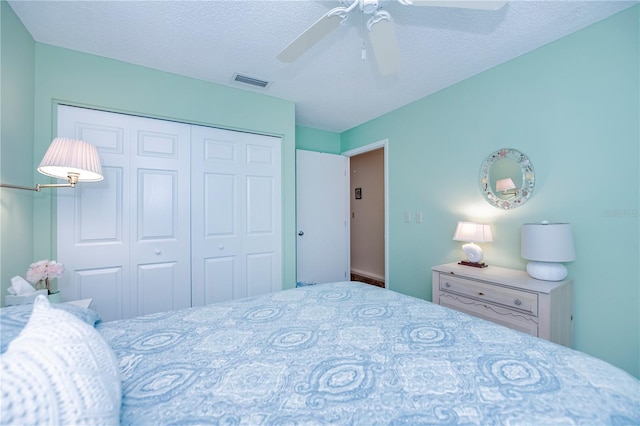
[(507, 179)]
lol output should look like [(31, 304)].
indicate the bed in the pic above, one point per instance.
[(335, 353)]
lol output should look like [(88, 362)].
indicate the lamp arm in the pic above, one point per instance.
[(26, 188), (72, 178), (39, 186)]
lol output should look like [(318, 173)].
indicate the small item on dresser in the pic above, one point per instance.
[(21, 292), (472, 233), (546, 245)]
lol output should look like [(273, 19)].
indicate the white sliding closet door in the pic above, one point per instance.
[(236, 215), (125, 241), (186, 215)]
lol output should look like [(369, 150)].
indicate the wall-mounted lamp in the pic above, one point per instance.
[(70, 159), (473, 233), (505, 185), (546, 245)]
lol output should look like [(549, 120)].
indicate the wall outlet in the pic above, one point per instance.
[(407, 217), (418, 217)]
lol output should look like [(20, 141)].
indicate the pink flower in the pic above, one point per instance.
[(44, 270), (55, 269), (37, 271)]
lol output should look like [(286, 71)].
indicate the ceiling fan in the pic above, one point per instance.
[(380, 27)]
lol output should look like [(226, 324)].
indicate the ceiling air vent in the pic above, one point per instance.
[(256, 82)]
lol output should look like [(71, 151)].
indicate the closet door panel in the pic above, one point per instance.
[(221, 243), (158, 287), (93, 218), (260, 273), (236, 222), (136, 219), (99, 210), (220, 205), (104, 286), (217, 217), (160, 193), (263, 228), (219, 276), (157, 192)]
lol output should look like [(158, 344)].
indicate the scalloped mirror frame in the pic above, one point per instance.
[(527, 179)]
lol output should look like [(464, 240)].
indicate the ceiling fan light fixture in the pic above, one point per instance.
[(369, 6)]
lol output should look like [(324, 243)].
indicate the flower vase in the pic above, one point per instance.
[(55, 297)]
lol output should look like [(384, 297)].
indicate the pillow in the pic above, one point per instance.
[(59, 370), (14, 318)]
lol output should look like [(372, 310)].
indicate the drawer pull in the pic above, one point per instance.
[(480, 293), (517, 302), (447, 285)]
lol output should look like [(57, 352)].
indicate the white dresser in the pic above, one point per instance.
[(508, 297)]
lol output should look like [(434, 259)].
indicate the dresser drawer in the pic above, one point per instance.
[(516, 320), (511, 298)]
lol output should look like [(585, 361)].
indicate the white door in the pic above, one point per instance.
[(125, 240), (160, 215), (322, 210), (237, 220)]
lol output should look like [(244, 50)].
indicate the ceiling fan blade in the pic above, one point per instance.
[(462, 4), (310, 36), (385, 46)]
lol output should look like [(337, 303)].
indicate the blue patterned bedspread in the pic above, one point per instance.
[(350, 353)]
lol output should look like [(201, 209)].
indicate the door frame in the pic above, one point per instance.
[(383, 143)]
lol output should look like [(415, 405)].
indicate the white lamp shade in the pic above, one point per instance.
[(66, 156), (473, 232), (547, 242)]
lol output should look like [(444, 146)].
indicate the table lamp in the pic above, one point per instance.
[(473, 233)]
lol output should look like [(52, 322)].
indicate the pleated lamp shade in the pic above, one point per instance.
[(473, 232), (71, 156)]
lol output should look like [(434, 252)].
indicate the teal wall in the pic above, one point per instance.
[(573, 107), (17, 58), (318, 140)]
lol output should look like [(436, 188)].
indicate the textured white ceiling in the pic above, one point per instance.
[(333, 88)]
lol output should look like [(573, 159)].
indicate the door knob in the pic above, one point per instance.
[(301, 233)]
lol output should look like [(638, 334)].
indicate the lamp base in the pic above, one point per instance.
[(547, 271), (474, 264)]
